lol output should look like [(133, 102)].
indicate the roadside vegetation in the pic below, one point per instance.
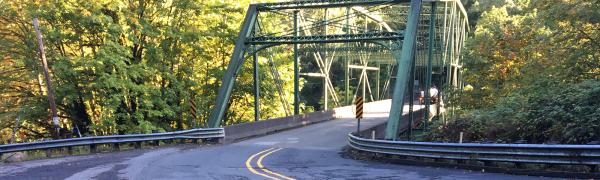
[(533, 74), (127, 67), (124, 67)]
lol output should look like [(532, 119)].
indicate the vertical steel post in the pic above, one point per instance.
[(364, 70), (378, 77), (364, 85), (430, 62), (256, 88), (347, 63), (411, 89), (296, 69), (51, 101), (404, 62), (325, 66)]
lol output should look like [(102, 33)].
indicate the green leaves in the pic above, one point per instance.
[(535, 69), (121, 67)]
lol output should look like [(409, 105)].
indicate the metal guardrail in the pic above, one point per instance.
[(516, 153), (115, 139)]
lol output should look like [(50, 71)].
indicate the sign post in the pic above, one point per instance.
[(359, 112)]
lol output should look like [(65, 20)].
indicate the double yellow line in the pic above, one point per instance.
[(267, 173)]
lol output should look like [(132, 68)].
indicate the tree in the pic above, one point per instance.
[(124, 67)]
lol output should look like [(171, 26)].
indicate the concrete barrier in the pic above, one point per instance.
[(380, 129), (250, 129), (264, 127)]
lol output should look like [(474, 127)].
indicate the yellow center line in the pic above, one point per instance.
[(260, 165), (251, 169)]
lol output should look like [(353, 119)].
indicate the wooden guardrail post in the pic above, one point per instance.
[(48, 153), (520, 165), (137, 145), (93, 148), (594, 168), (70, 150), (116, 147), (489, 163)]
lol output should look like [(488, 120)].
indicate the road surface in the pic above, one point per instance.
[(311, 152)]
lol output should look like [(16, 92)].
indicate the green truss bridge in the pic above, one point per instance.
[(404, 44), (386, 51)]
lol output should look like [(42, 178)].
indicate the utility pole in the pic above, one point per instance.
[(47, 76)]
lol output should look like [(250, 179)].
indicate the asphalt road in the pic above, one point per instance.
[(311, 152)]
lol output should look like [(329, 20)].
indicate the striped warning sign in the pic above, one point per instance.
[(193, 108), (359, 107)]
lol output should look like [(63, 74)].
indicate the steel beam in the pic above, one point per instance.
[(377, 79), (312, 4), (375, 17), (411, 97), (313, 75), (326, 66), (363, 67), (333, 38), (375, 49), (404, 62), (256, 87), (296, 68), (237, 59), (429, 62)]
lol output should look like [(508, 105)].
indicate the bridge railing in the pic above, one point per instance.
[(515, 153), (115, 140)]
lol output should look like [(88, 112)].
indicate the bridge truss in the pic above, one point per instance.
[(406, 37)]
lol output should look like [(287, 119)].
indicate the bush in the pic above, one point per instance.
[(559, 114)]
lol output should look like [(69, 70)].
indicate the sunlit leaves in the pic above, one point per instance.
[(534, 67), (123, 66)]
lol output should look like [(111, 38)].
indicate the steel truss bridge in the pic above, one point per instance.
[(399, 40)]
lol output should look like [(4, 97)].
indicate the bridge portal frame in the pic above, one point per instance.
[(401, 43)]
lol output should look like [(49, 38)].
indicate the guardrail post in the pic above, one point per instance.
[(594, 168), (48, 153), (156, 143), (520, 165), (93, 148), (489, 163), (195, 141), (70, 150), (116, 147), (137, 145)]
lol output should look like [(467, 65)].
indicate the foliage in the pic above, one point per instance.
[(121, 67), (535, 71), (564, 114)]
